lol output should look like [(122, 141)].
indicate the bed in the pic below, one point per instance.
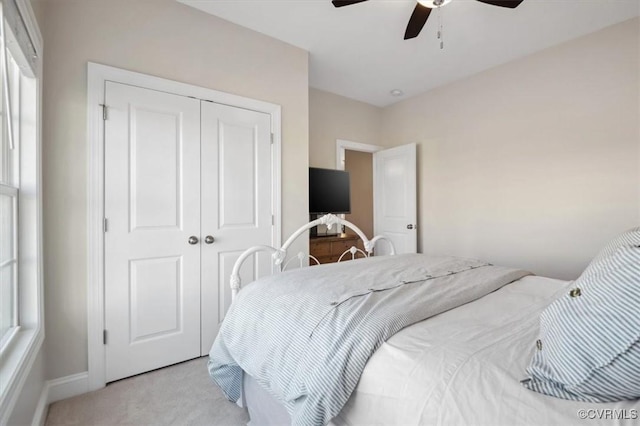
[(462, 364)]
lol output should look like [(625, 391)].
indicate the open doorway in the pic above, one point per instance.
[(360, 167), (383, 191), (357, 159)]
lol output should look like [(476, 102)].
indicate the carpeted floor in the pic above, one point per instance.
[(182, 394)]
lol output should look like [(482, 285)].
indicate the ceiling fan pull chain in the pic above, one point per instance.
[(440, 31)]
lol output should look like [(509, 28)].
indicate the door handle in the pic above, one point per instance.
[(410, 226), (193, 240), (209, 239)]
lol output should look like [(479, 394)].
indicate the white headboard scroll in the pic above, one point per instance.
[(280, 254)]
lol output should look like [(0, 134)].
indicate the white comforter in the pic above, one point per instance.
[(463, 367), (306, 335)]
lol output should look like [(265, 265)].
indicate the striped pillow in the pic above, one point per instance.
[(589, 345), (629, 238)]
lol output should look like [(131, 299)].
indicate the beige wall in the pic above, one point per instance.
[(535, 163), (360, 168), (166, 39), (333, 117), (38, 10)]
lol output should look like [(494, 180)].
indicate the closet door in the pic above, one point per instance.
[(236, 204), (152, 206)]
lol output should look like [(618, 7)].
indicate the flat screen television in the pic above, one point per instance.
[(329, 191)]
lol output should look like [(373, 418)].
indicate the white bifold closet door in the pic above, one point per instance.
[(236, 204), (188, 187)]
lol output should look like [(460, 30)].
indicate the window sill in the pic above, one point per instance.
[(15, 365), (6, 343)]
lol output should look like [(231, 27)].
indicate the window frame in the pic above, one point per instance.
[(10, 182), (5, 340), (18, 356)]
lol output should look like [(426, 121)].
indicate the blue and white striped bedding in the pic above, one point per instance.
[(589, 343), (306, 335)]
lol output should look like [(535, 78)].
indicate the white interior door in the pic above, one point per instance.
[(152, 206), (394, 198), (237, 185)]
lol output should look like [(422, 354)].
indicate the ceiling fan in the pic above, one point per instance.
[(423, 9)]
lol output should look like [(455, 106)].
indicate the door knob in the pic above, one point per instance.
[(193, 240), (209, 239), (412, 226)]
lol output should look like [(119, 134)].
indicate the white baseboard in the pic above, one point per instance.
[(57, 390), (40, 413), (66, 387)]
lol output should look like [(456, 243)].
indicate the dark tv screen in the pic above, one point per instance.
[(329, 191)]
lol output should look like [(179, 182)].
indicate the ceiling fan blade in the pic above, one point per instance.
[(340, 3), (417, 21), (511, 4)]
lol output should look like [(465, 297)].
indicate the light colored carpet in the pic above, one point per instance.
[(182, 394)]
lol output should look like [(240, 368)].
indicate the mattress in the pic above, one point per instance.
[(462, 367)]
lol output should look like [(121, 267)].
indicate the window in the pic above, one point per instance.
[(9, 193), (21, 311)]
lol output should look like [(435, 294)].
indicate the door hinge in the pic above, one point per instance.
[(105, 112), (272, 136), (106, 224), (104, 337), (273, 220)]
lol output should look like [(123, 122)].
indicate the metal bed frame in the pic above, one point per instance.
[(279, 255)]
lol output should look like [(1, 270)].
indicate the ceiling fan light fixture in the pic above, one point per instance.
[(433, 4), (422, 10)]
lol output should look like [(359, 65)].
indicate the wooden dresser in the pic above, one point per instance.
[(329, 249)]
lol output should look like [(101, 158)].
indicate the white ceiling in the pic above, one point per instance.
[(358, 51)]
